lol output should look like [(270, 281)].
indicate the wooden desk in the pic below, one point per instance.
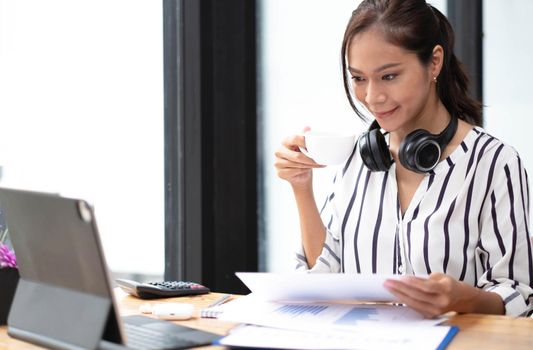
[(476, 331), (130, 306)]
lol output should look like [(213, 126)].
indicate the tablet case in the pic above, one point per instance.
[(60, 288)]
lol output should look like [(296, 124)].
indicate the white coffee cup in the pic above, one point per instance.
[(328, 148)]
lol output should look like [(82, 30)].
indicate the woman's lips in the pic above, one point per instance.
[(385, 114)]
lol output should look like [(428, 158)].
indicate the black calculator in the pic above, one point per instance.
[(165, 289)]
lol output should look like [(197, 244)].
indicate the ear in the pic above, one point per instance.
[(437, 60)]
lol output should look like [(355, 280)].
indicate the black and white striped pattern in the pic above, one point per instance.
[(468, 218)]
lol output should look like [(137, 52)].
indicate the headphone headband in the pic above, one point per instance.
[(447, 134)]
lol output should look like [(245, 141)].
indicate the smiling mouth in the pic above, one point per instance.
[(385, 113)]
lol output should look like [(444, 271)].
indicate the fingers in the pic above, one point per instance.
[(294, 159), (293, 165), (290, 156), (427, 309), (422, 285), (431, 297), (294, 141), (412, 289)]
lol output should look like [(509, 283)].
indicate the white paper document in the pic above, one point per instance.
[(376, 338), (319, 317), (317, 286), (326, 311)]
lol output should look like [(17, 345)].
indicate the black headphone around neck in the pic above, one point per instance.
[(419, 151)]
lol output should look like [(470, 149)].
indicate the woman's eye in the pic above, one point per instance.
[(389, 77), (357, 78)]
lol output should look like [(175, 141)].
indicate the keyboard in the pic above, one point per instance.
[(142, 338), (149, 333)]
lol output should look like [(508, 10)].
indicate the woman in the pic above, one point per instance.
[(456, 211)]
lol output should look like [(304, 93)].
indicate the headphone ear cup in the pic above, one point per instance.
[(374, 151), (407, 151), (419, 151), (365, 152)]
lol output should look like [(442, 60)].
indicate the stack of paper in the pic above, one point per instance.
[(399, 338), (296, 320)]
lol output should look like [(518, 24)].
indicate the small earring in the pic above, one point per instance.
[(435, 80)]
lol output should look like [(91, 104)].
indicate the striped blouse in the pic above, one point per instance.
[(468, 218)]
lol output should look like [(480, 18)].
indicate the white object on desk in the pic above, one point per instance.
[(214, 309), (146, 308), (168, 311)]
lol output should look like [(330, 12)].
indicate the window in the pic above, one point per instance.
[(506, 84), (82, 115)]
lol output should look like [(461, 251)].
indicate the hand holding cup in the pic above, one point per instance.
[(328, 148)]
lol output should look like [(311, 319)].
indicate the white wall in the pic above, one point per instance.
[(81, 114), (301, 85)]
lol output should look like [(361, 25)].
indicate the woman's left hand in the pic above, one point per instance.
[(431, 296)]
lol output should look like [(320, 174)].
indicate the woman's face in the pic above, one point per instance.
[(391, 82)]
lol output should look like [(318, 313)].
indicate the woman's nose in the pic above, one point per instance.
[(374, 94)]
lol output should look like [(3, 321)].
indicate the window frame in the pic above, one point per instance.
[(466, 18), (211, 188)]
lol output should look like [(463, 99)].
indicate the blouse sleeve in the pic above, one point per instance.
[(505, 242), (329, 259)]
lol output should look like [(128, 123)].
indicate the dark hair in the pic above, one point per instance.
[(418, 27)]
